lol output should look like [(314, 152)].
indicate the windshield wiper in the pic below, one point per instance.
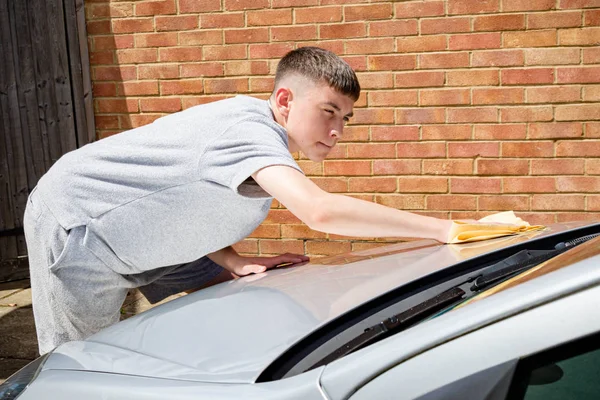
[(395, 323)]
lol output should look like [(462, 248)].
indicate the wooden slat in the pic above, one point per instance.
[(85, 70)]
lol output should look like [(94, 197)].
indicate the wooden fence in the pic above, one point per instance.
[(45, 106)]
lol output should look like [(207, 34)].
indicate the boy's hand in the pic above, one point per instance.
[(255, 265)]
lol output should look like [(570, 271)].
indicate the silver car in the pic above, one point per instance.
[(510, 318)]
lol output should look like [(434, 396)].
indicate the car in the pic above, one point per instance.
[(509, 318)]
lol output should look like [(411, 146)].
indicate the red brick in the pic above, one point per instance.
[(527, 5), (530, 39), (274, 50), (186, 86), (246, 68), (446, 132), (472, 6), (402, 202), (226, 85), (472, 114), (451, 202), (579, 3), (419, 79), (502, 167), (262, 84), (141, 88), (498, 58), (393, 28), (113, 42), (278, 246), (195, 6), (268, 231), (555, 130), (396, 167), (370, 46), (106, 121), (430, 26), (525, 114), (372, 185), (579, 37), (343, 31), (557, 202), (228, 20), (317, 14), (301, 32), (394, 133), (165, 39), (118, 73), (499, 22), (420, 115), (421, 44), (438, 97), (422, 185), (299, 232), (250, 35), (335, 46), (372, 150), (475, 185), (554, 94), (202, 37), (96, 11), (355, 134), (421, 150), (155, 7), (281, 217), (592, 129), (578, 74), (332, 185), (101, 57), (328, 247), (444, 60), (392, 62), (585, 184), (473, 149), (132, 25), (373, 116), (566, 19), (448, 167), (392, 98), (117, 105), (220, 53), (358, 63), (472, 78), (591, 56), (349, 168), (137, 120), (498, 96), (474, 41), (504, 202), (527, 76), (592, 166), (553, 56), (247, 246), (98, 27), (237, 5), (136, 56), (591, 93), (269, 17), (578, 112), (591, 18), (500, 132), (528, 149), (555, 167), (368, 12), (416, 9), (161, 71), (192, 101), (160, 104), (588, 148), (567, 217), (180, 54)]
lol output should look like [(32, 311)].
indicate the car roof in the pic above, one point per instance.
[(230, 333)]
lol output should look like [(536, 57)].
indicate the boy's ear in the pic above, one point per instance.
[(283, 98)]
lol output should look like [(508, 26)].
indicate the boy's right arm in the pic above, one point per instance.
[(344, 215)]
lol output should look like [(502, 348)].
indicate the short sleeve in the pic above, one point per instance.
[(241, 150)]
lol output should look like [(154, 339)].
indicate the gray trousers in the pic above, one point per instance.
[(74, 293)]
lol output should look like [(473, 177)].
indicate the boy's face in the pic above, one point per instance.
[(316, 115)]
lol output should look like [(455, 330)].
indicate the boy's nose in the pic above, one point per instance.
[(335, 134)]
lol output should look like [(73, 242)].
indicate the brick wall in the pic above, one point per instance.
[(468, 106)]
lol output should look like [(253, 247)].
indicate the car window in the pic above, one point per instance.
[(567, 372)]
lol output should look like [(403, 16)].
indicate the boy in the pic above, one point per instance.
[(159, 206)]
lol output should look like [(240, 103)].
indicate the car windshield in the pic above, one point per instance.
[(461, 289)]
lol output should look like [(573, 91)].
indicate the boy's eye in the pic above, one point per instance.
[(346, 119), (329, 111)]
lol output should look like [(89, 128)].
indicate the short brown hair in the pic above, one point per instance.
[(320, 65)]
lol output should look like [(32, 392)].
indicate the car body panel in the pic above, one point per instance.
[(341, 378)]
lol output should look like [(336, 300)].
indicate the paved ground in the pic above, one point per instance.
[(18, 345)]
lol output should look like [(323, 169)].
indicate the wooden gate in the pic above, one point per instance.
[(45, 106)]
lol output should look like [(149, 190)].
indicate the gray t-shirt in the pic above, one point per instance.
[(172, 191)]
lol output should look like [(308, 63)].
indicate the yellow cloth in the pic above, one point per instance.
[(492, 226)]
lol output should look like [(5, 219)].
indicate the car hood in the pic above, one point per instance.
[(230, 333)]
